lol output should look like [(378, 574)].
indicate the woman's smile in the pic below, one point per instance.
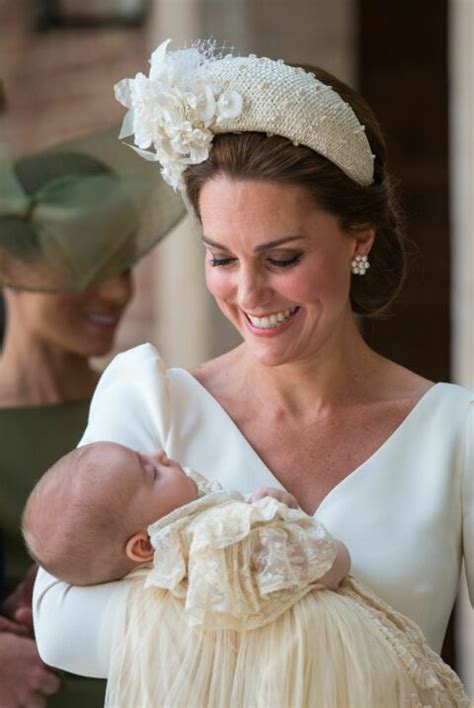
[(103, 321), (277, 265), (271, 324)]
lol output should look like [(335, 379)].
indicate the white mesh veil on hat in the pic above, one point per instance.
[(78, 213), (193, 94)]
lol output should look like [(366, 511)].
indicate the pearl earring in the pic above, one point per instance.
[(360, 265)]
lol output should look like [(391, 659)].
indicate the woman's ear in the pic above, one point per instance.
[(139, 548), (363, 241)]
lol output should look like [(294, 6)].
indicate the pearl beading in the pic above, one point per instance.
[(288, 101), (360, 265)]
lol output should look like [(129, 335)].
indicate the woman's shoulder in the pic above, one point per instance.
[(454, 394), (143, 367), (142, 354), (441, 420), (131, 402), (447, 414), (140, 366), (404, 384)]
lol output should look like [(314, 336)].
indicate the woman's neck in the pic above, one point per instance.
[(344, 369), (35, 372)]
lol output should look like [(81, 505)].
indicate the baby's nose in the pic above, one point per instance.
[(160, 456)]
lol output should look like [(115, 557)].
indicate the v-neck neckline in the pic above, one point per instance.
[(350, 476)]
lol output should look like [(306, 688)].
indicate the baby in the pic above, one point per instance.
[(86, 520), (233, 602)]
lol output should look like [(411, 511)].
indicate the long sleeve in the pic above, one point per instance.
[(468, 503), (74, 624)]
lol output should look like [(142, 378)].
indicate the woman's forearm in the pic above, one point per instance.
[(74, 625)]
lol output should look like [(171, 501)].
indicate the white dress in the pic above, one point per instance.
[(231, 613), (406, 514)]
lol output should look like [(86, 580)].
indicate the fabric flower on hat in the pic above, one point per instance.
[(173, 110), (229, 105)]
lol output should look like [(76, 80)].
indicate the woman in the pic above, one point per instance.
[(69, 234), (287, 176)]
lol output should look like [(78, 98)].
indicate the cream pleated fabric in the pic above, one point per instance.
[(231, 615)]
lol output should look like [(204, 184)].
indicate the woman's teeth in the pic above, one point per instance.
[(278, 318), (102, 319)]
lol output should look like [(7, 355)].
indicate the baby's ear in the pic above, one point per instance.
[(139, 548)]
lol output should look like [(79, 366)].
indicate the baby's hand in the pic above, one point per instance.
[(280, 494)]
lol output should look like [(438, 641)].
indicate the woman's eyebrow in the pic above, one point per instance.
[(262, 247)]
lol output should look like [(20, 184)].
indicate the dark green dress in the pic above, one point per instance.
[(31, 439)]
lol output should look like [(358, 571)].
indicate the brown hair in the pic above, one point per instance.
[(260, 157), (71, 530)]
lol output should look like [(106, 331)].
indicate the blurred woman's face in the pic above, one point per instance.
[(278, 266), (82, 323)]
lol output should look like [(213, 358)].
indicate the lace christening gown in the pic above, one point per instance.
[(231, 615)]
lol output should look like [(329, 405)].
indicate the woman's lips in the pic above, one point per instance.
[(271, 324), (103, 320)]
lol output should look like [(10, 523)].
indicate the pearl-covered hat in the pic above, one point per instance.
[(193, 94)]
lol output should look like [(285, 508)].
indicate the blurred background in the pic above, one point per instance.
[(412, 61)]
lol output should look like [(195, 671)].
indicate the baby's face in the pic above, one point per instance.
[(163, 486), (152, 484)]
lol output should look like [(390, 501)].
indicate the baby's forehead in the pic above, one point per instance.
[(98, 450), (104, 470), (100, 457)]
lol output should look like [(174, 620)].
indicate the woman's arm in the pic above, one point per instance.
[(468, 503), (73, 625)]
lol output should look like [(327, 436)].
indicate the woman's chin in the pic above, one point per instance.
[(92, 349)]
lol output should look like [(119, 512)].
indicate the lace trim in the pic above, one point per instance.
[(426, 668), (238, 565)]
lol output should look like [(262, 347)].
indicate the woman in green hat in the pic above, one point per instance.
[(72, 223)]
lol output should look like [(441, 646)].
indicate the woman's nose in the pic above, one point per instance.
[(252, 289), (117, 290)]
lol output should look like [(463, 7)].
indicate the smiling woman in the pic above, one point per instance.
[(283, 281), (286, 169), (82, 324)]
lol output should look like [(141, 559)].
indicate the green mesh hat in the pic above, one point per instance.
[(79, 213)]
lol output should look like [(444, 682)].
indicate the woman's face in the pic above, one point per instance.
[(278, 266), (82, 323)]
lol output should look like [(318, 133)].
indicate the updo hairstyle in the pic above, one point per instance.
[(256, 156)]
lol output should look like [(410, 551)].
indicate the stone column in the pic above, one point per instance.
[(182, 304)]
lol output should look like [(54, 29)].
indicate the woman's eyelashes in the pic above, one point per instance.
[(214, 261), (272, 261), (286, 262)]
